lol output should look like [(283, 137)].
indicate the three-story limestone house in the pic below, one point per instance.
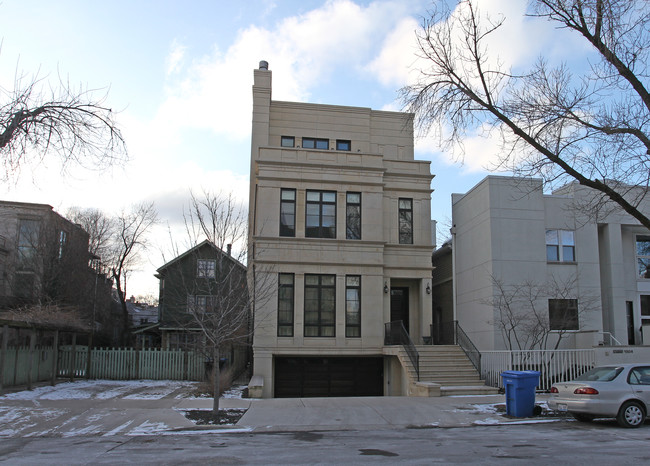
[(340, 231)]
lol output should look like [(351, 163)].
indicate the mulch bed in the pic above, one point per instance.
[(202, 417)]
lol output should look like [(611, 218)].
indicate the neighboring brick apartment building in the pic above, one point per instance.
[(44, 258), (587, 277), (340, 221)]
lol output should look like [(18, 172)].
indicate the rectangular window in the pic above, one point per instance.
[(643, 256), (314, 143), (342, 144), (645, 306), (28, 244), (201, 304), (563, 314), (206, 268), (320, 216), (63, 239), (288, 212), (560, 246), (405, 221), (353, 306), (353, 216), (287, 141), (285, 304), (320, 305)]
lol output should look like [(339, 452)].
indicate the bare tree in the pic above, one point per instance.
[(523, 311), (591, 127), (37, 121), (129, 241), (99, 226), (212, 293)]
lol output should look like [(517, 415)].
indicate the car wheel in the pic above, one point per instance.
[(583, 417), (631, 414)]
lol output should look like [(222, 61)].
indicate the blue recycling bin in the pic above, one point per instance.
[(520, 392)]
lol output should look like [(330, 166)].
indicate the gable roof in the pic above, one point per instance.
[(196, 248)]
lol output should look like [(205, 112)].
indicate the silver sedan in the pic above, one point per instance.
[(621, 391)]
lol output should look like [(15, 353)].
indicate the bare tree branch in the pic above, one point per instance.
[(592, 128)]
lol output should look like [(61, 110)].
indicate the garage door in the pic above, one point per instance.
[(342, 376)]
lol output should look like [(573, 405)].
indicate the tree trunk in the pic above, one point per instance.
[(215, 383)]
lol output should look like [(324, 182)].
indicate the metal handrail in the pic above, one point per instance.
[(468, 347), (611, 338), (396, 334), (451, 333)]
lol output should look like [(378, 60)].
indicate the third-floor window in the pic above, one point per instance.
[(353, 216), (288, 212), (320, 216)]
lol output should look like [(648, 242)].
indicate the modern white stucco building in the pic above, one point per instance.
[(585, 275), (340, 228)]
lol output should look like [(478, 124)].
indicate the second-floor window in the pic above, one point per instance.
[(63, 239), (28, 237), (643, 256), (285, 304), (353, 216), (320, 216), (405, 221), (314, 143), (206, 268), (560, 246), (288, 212)]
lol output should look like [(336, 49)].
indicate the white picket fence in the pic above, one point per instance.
[(553, 365)]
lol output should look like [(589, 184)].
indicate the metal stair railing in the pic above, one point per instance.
[(451, 333), (396, 334)]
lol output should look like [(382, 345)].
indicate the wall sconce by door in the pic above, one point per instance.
[(385, 287), (428, 288)]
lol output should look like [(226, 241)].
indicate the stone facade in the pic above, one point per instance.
[(314, 168)]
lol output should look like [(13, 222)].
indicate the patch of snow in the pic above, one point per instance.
[(235, 391), (487, 422), (118, 429), (149, 428), (92, 429)]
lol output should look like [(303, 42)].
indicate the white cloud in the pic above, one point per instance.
[(175, 57)]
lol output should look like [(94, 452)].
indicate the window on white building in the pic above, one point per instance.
[(352, 306), (643, 256), (563, 314), (560, 246)]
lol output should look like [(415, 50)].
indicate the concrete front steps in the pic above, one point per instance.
[(445, 370)]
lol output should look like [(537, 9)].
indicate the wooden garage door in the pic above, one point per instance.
[(343, 376)]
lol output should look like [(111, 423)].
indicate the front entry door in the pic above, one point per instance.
[(399, 306)]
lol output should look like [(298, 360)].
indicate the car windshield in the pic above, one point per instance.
[(600, 374)]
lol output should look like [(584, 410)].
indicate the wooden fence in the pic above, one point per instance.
[(129, 364), (553, 365), (24, 365)]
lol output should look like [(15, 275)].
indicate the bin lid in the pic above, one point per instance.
[(520, 374)]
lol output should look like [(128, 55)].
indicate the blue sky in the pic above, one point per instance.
[(180, 76)]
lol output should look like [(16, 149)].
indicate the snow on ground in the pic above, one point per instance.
[(103, 389), (236, 391)]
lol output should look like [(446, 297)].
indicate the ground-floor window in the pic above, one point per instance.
[(563, 314), (320, 305)]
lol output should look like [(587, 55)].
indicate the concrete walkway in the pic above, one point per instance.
[(157, 408)]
